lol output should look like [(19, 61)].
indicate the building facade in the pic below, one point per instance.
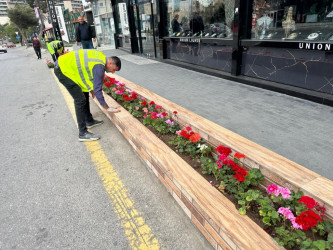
[(280, 42)]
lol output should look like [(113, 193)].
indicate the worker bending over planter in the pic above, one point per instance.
[(81, 72), (54, 48)]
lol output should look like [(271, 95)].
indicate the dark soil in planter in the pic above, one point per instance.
[(252, 212)]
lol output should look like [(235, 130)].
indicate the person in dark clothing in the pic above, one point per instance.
[(175, 24), (84, 34), (196, 23), (36, 45)]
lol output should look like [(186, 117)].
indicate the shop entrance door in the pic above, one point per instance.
[(147, 29)]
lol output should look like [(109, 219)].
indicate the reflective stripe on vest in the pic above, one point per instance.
[(86, 61)]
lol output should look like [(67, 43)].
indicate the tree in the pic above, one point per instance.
[(3, 32), (23, 17), (10, 31)]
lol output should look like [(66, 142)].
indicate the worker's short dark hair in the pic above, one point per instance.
[(116, 61)]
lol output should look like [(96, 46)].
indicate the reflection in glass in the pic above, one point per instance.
[(200, 18), (292, 20)]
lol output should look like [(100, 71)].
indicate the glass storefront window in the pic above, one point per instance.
[(200, 18), (292, 20)]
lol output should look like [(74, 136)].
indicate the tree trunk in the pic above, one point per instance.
[(24, 39)]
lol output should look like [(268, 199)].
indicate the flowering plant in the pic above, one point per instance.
[(299, 213), (49, 63), (187, 141)]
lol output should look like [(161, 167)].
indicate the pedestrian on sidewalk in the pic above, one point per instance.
[(36, 45), (81, 72), (54, 48), (84, 34)]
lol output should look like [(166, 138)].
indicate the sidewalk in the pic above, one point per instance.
[(297, 129)]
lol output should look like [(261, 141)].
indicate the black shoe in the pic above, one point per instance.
[(89, 137), (93, 123)]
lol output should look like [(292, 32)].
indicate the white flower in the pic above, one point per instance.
[(202, 147)]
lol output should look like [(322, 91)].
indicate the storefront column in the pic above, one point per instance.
[(241, 30)]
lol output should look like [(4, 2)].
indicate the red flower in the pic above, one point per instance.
[(158, 107), (164, 114), (127, 98), (175, 112), (308, 201), (107, 84), (144, 103), (195, 137), (239, 156), (184, 134), (151, 103), (134, 96), (188, 128), (223, 150), (308, 219), (239, 177)]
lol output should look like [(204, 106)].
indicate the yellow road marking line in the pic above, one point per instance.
[(139, 234)]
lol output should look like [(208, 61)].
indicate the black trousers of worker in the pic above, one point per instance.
[(81, 100), (38, 53)]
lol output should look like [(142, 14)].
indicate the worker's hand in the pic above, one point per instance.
[(77, 43), (94, 39), (113, 110), (92, 93)]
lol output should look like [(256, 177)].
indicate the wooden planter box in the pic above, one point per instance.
[(213, 214)]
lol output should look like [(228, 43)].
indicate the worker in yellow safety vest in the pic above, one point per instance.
[(81, 72), (54, 48)]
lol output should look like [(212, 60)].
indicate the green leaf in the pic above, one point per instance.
[(266, 220), (330, 237), (319, 244), (242, 211), (307, 243), (241, 202)]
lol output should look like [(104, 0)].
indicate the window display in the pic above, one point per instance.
[(200, 18), (292, 20)]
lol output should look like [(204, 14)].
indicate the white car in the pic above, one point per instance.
[(3, 47)]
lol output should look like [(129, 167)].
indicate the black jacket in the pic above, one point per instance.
[(91, 32)]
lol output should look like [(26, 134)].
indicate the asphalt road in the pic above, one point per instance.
[(51, 196)]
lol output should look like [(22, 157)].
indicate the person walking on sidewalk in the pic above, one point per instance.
[(82, 71), (36, 45), (54, 48), (84, 34)]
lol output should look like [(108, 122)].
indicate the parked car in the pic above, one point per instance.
[(3, 47), (11, 45)]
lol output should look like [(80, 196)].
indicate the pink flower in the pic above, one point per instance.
[(142, 98), (178, 132), (272, 188), (137, 108), (286, 212), (169, 122), (188, 128), (285, 192), (145, 115), (160, 115), (145, 110), (114, 89), (296, 225)]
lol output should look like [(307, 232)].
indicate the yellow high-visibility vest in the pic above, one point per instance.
[(53, 45), (78, 65)]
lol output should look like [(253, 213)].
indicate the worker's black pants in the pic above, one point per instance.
[(81, 100)]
